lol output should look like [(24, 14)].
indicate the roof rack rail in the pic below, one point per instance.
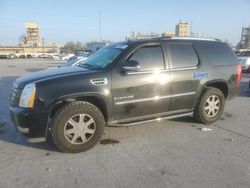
[(175, 38), (195, 38)]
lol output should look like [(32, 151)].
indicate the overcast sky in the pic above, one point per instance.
[(75, 20)]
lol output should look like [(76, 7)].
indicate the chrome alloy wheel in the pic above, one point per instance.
[(79, 129), (212, 106)]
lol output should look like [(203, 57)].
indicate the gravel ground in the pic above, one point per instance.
[(173, 153)]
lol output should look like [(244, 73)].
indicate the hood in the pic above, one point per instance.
[(50, 74)]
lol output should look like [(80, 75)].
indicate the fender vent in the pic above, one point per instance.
[(99, 81)]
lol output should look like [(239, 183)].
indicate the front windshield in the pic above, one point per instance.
[(70, 62), (83, 53), (245, 54), (102, 58)]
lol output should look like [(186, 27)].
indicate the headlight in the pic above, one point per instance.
[(28, 96)]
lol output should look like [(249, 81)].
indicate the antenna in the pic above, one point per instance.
[(100, 25)]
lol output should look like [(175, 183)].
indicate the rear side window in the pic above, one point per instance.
[(183, 55), (150, 58), (216, 53)]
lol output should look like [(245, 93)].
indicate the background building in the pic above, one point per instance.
[(245, 38), (168, 34), (183, 29), (138, 36), (30, 43), (32, 37), (199, 35)]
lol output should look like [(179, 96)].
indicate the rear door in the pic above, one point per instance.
[(145, 92), (184, 63)]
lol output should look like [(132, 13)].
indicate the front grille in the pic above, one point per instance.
[(15, 96)]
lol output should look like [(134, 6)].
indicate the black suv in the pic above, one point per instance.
[(125, 84)]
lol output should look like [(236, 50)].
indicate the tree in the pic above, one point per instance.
[(71, 47)]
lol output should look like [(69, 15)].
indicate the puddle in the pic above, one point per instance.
[(34, 69), (109, 141), (227, 114), (229, 139)]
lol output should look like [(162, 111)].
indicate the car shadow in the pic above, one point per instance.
[(187, 119), (8, 132)]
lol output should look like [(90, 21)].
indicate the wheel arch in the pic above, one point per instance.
[(97, 100), (219, 84)]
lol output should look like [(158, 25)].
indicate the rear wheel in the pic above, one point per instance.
[(77, 127), (210, 106)]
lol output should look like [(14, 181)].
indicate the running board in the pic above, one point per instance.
[(155, 119)]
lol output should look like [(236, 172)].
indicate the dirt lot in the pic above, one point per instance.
[(173, 153)]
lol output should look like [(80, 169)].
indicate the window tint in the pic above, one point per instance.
[(150, 58), (216, 53), (102, 58), (183, 55)]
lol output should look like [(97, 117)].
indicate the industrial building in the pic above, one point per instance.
[(30, 43), (245, 38), (32, 37), (183, 29)]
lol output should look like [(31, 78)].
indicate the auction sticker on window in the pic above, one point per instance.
[(121, 46)]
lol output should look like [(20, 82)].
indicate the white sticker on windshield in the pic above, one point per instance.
[(121, 46)]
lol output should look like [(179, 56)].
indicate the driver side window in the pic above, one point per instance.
[(150, 58)]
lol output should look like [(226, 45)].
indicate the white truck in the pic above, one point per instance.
[(244, 59)]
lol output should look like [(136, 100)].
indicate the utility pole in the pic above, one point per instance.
[(191, 29), (43, 44), (100, 25)]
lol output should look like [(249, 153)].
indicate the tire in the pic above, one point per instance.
[(77, 127), (210, 106)]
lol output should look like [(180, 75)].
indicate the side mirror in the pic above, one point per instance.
[(131, 66)]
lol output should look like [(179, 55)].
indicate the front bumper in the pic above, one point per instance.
[(32, 124)]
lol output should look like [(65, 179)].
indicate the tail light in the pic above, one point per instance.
[(239, 73)]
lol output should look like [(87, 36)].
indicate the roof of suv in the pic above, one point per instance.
[(172, 39)]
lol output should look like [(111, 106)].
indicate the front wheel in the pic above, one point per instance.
[(77, 127), (210, 106)]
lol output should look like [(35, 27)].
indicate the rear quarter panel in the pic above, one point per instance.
[(220, 63)]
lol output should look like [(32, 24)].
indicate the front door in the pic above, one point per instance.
[(142, 93)]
